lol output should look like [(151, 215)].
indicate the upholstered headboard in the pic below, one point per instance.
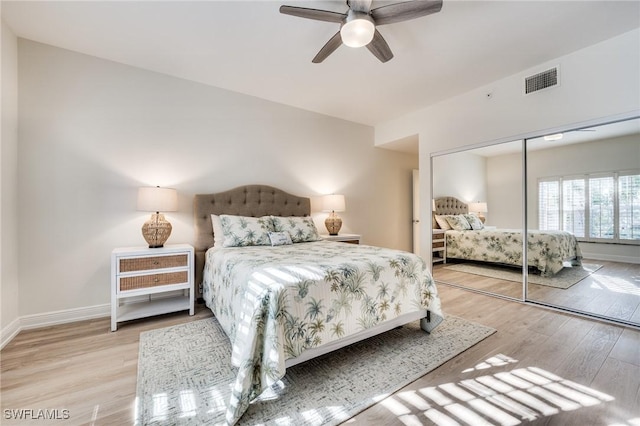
[(248, 200), (448, 205)]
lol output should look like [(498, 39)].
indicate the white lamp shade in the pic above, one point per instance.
[(358, 31), (156, 199), (333, 203), (478, 207)]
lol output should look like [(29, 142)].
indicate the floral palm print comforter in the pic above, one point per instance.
[(546, 249), (276, 302)]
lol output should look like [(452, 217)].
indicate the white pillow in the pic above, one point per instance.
[(442, 222), (280, 238), (458, 222), (474, 221), (241, 231), (301, 229), (218, 234)]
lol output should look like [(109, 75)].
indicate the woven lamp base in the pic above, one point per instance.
[(333, 224), (156, 230)]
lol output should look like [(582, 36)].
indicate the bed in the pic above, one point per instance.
[(547, 250), (284, 304)]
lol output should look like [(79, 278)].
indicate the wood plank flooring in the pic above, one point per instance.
[(541, 367), (613, 290)]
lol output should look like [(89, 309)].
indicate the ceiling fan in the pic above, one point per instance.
[(358, 24)]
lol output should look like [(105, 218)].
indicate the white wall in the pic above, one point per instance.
[(496, 180), (462, 175), (8, 186), (504, 186), (92, 131), (598, 81)]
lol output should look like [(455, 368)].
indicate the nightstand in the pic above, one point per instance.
[(137, 272), (438, 246), (344, 238)]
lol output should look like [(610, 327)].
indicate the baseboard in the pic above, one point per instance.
[(9, 332), (46, 319), (28, 322), (609, 258)]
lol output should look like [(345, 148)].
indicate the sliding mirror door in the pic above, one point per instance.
[(583, 189), (487, 184)]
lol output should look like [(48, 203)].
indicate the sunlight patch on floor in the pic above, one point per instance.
[(94, 415), (505, 398), (160, 407), (494, 361), (617, 284), (188, 406)]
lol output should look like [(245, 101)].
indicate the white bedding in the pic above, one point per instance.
[(277, 302)]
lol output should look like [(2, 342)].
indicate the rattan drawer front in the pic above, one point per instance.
[(155, 262), (146, 281)]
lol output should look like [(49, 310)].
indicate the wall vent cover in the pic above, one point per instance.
[(542, 80)]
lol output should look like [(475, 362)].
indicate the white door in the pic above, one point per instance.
[(416, 212)]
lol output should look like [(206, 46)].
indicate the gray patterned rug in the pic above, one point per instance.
[(184, 374), (565, 278)]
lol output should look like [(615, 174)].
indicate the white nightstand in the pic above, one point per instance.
[(438, 246), (344, 238), (143, 271)]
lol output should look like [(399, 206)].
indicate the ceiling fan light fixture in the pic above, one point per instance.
[(358, 29)]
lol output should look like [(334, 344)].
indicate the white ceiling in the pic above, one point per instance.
[(249, 47)]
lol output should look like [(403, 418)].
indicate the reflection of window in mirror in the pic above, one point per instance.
[(587, 182)]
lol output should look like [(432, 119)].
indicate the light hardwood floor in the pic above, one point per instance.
[(541, 367), (612, 291)]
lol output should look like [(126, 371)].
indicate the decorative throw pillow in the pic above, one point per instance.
[(458, 222), (241, 231), (218, 233), (280, 238), (441, 220), (474, 221), (301, 229)]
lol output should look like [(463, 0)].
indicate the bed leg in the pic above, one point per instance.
[(428, 323)]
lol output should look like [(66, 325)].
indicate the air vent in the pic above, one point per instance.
[(542, 80)]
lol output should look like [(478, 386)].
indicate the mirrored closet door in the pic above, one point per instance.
[(586, 183), (486, 183)]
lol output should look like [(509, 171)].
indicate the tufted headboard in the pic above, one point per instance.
[(248, 200), (448, 205)]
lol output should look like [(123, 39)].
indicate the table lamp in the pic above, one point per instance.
[(333, 203), (155, 199)]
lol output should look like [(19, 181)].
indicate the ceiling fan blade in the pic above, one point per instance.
[(380, 48), (405, 11), (333, 43), (359, 5), (318, 15)]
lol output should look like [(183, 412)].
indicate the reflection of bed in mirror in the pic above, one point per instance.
[(467, 238)]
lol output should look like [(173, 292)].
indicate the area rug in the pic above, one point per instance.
[(184, 374), (565, 278)]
